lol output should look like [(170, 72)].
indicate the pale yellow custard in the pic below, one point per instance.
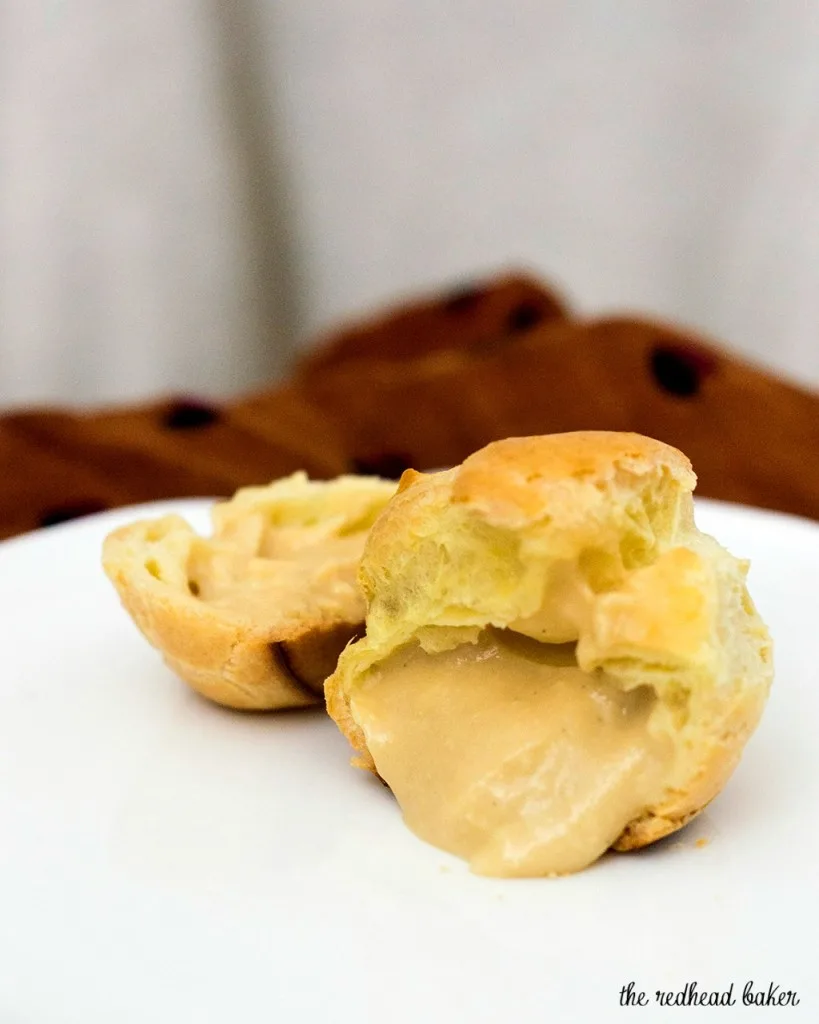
[(505, 753)]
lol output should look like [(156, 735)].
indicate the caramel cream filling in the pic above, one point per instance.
[(505, 753), (295, 569)]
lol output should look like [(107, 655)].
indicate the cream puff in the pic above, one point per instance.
[(556, 660), (256, 615)]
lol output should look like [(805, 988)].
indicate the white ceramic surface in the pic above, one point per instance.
[(164, 860)]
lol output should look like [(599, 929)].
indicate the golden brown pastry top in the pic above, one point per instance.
[(529, 474), (451, 540)]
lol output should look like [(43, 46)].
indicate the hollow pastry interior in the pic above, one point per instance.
[(255, 615), (556, 661)]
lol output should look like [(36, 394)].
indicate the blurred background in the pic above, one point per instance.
[(190, 191)]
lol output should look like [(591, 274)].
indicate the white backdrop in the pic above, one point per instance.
[(189, 190)]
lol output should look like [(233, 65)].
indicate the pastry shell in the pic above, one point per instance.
[(298, 542)]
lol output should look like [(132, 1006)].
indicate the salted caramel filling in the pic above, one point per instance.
[(293, 568), (505, 753)]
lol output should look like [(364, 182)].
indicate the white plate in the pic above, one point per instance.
[(163, 860)]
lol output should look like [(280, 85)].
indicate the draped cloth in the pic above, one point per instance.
[(190, 190)]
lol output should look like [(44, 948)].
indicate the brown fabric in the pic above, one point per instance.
[(472, 317), (57, 465), (423, 387), (751, 437)]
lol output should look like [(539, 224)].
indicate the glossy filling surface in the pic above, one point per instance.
[(505, 753)]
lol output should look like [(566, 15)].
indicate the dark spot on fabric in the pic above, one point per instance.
[(389, 465), (523, 317), (463, 299), (73, 510), (678, 370), (189, 415)]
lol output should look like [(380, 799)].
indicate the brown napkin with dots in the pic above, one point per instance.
[(423, 385)]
